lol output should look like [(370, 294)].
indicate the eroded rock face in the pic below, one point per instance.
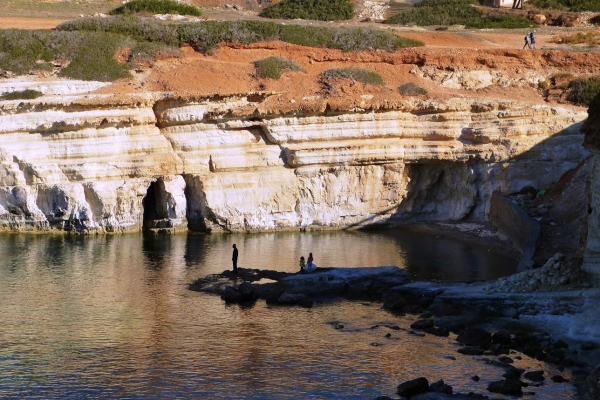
[(590, 244), (96, 164)]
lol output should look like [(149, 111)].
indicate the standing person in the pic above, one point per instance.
[(527, 41), (310, 267), (302, 264), (532, 39), (234, 258)]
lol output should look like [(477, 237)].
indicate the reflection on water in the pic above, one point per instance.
[(111, 317)]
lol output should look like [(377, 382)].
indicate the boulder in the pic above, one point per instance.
[(231, 295), (470, 351), (475, 336), (511, 387), (422, 324), (455, 323), (413, 387), (501, 337), (512, 373), (420, 294), (246, 289), (440, 387), (392, 301), (437, 331), (588, 346), (444, 308), (593, 381), (535, 376), (539, 19)]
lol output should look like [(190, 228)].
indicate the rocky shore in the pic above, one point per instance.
[(523, 314)]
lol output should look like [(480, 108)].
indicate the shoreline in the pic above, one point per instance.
[(538, 324)]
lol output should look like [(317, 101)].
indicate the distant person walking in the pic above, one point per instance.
[(234, 258), (527, 44), (532, 39)]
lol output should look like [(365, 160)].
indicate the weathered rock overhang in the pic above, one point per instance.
[(97, 164)]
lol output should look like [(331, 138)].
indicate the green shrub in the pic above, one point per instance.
[(27, 94), (156, 7), (150, 30), (150, 51), (567, 5), (322, 10), (272, 67), (94, 59), (582, 91), (456, 12), (356, 39), (205, 36), (410, 89), (21, 49), (306, 35), (355, 74)]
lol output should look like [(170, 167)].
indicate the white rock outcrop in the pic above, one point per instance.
[(97, 164)]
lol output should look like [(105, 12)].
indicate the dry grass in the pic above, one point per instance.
[(55, 9), (589, 38)]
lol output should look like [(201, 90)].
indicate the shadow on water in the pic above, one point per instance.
[(425, 257)]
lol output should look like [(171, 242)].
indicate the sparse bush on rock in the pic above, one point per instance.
[(567, 5), (273, 67), (456, 12), (410, 89), (322, 10), (582, 91), (27, 94), (156, 7), (355, 74)]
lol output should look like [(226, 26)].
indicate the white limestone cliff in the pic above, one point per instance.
[(96, 163)]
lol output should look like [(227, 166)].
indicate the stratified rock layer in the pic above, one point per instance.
[(96, 164)]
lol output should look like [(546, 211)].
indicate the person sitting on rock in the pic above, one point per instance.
[(310, 266), (302, 264)]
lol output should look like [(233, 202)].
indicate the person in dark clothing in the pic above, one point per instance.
[(532, 39), (527, 42), (310, 266), (234, 258)]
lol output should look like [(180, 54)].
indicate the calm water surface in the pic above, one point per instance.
[(111, 317)]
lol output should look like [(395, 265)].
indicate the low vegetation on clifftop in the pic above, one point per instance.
[(457, 12), (156, 7), (85, 48), (567, 5), (323, 10)]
